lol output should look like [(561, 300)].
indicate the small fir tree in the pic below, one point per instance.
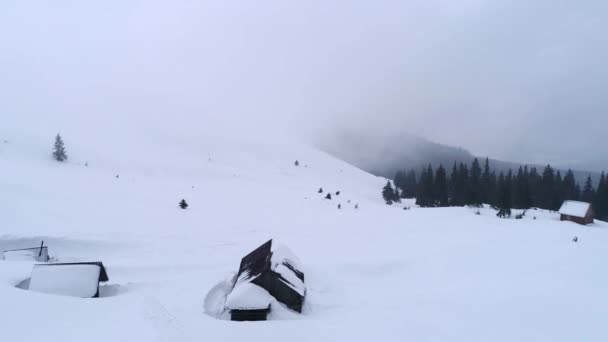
[(388, 194), (59, 150), (504, 197), (183, 204)]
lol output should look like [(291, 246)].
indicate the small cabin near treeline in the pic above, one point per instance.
[(78, 279), (269, 274), (576, 211)]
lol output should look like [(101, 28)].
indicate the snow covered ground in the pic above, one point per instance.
[(373, 273)]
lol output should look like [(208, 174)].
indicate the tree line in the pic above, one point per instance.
[(474, 184)]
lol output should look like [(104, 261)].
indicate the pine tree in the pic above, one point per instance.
[(411, 185), (297, 163), (426, 197), (493, 186), (475, 186), (59, 149), (486, 186), (320, 190), (534, 180), (453, 195), (569, 186), (577, 191), (547, 188), (601, 202), (558, 197), (400, 179), (183, 204), (466, 184), (504, 197), (408, 190), (388, 193), (328, 197), (441, 188), (522, 199), (588, 192)]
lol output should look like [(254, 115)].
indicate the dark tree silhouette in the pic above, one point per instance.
[(388, 194), (183, 204), (588, 192), (441, 188), (504, 197), (59, 149)]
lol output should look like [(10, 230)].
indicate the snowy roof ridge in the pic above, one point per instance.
[(575, 208)]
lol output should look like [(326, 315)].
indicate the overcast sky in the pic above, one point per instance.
[(513, 79)]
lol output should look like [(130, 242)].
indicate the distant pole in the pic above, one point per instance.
[(41, 245)]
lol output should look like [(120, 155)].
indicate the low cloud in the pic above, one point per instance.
[(514, 80)]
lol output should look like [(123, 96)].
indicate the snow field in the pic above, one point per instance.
[(378, 272)]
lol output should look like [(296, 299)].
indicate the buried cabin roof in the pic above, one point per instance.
[(575, 208), (276, 258), (103, 275), (271, 269)]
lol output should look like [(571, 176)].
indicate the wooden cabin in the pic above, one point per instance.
[(576, 211), (271, 272)]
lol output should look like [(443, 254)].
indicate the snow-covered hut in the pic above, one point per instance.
[(576, 211), (79, 279), (27, 254), (270, 272), (39, 254)]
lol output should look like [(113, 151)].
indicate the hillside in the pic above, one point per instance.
[(385, 156), (373, 273)]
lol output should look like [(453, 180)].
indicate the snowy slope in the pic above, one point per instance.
[(377, 273)]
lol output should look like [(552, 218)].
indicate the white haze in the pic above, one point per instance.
[(516, 80)]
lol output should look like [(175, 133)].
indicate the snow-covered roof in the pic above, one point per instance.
[(575, 208), (285, 263), (277, 258), (78, 280)]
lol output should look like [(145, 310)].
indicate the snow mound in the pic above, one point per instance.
[(248, 296)]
